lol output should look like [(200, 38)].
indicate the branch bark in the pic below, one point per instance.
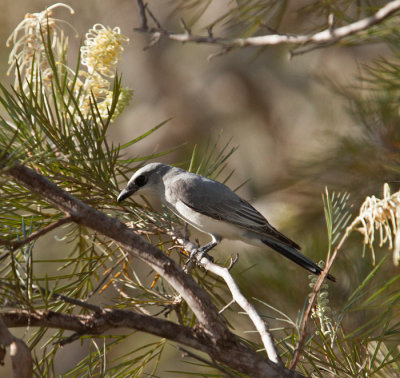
[(225, 346), (325, 37), (105, 320)]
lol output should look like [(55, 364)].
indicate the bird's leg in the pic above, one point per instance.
[(186, 231), (203, 251), (205, 248)]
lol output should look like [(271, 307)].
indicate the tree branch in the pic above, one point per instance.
[(327, 36), (108, 319), (226, 347), (238, 297)]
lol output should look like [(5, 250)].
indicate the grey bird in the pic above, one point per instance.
[(212, 208)]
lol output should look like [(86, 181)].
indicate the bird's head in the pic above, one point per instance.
[(146, 180)]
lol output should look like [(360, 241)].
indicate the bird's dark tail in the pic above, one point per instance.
[(294, 255)]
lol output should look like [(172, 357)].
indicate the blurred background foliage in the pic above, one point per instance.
[(327, 118)]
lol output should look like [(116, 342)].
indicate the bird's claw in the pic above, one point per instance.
[(206, 255), (200, 252)]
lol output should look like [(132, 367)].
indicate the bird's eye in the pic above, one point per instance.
[(140, 180)]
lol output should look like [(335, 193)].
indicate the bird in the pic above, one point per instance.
[(214, 209)]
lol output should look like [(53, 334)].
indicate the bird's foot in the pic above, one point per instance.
[(206, 255), (199, 253)]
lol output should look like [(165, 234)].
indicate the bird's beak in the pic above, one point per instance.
[(127, 192)]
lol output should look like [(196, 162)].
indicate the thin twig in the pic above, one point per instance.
[(70, 339), (219, 53), (314, 294), (70, 300), (324, 37), (233, 261), (301, 51), (107, 275), (203, 360), (54, 295), (143, 17), (17, 244), (185, 27), (154, 19), (226, 306)]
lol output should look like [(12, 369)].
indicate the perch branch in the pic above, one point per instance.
[(238, 297)]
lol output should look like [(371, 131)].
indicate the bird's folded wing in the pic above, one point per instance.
[(215, 200)]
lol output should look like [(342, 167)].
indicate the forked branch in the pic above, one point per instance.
[(323, 38), (238, 297)]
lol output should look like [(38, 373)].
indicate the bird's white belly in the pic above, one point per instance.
[(207, 224)]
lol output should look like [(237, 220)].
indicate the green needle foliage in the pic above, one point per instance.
[(359, 337)]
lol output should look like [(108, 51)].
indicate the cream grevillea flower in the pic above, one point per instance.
[(102, 49), (100, 54), (28, 47), (382, 217), (125, 97)]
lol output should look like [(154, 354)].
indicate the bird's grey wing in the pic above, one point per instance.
[(217, 201)]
